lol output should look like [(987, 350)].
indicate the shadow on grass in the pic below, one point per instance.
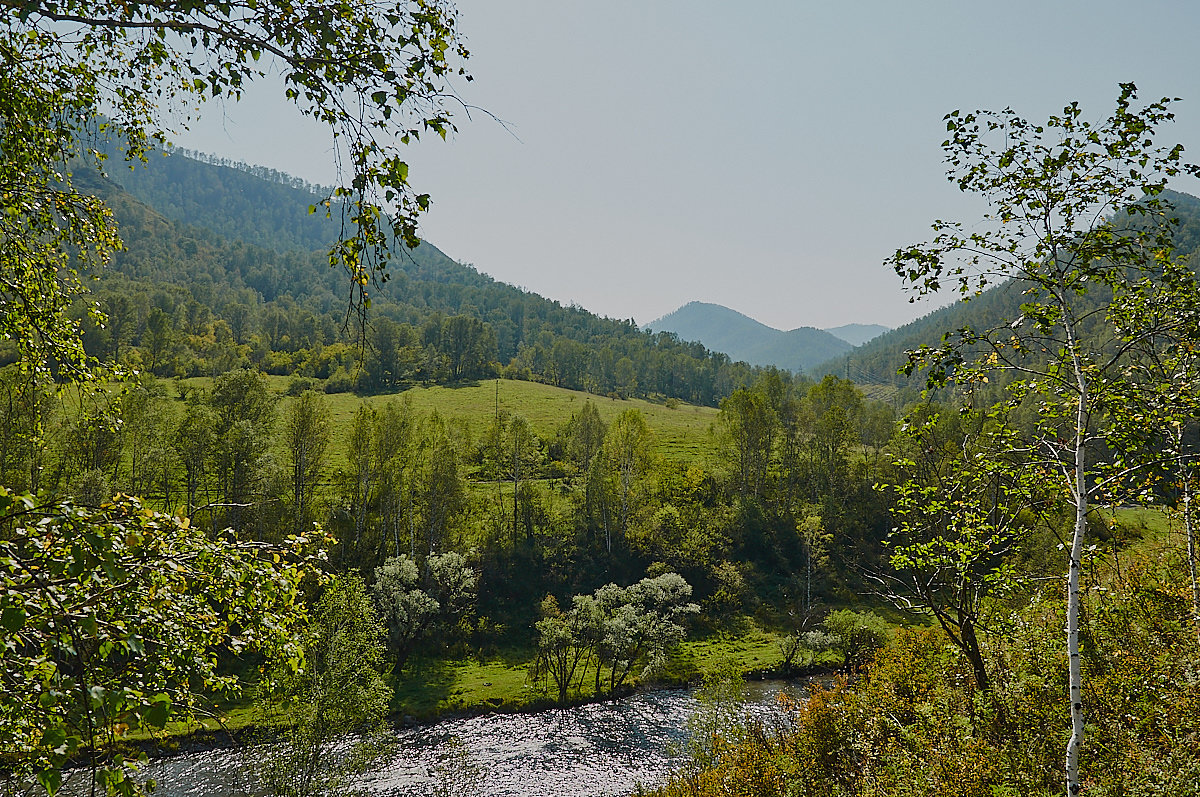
[(421, 687), (512, 657)]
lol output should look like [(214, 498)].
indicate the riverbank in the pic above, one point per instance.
[(606, 748), (434, 690)]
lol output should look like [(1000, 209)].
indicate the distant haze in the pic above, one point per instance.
[(743, 338), (767, 156)]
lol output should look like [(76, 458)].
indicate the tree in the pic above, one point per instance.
[(629, 453), (519, 456), (411, 607), (306, 433), (1076, 225), (26, 405), (438, 485), (195, 445), (616, 627), (359, 480), (395, 430), (245, 411), (158, 339), (961, 511), (113, 619), (375, 73), (144, 429), (641, 623), (340, 690), (857, 635), (748, 427), (566, 642), (585, 433)]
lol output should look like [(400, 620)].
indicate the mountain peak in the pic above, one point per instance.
[(720, 328)]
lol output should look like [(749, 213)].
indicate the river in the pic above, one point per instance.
[(596, 750)]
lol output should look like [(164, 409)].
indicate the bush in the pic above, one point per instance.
[(857, 635), (299, 384), (340, 382)]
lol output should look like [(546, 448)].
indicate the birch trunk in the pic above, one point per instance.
[(1080, 490)]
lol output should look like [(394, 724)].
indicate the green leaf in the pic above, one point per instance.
[(51, 780), (13, 619), (159, 712)]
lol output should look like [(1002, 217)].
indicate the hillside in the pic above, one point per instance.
[(225, 267), (877, 361), (682, 433), (743, 338)]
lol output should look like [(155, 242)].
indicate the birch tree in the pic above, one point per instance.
[(1077, 227)]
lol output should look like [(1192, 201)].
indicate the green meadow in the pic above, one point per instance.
[(683, 432)]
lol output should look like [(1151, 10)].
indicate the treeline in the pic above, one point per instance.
[(186, 301)]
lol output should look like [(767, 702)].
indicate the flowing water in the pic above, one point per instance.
[(596, 750)]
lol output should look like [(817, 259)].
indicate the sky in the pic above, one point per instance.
[(764, 155)]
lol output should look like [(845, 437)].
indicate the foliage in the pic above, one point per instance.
[(615, 628), (339, 690), (1075, 209), (115, 619), (306, 433), (718, 722), (857, 635), (962, 511), (48, 232), (641, 623), (411, 606), (914, 724), (375, 74)]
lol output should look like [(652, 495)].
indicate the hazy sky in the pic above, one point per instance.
[(767, 156)]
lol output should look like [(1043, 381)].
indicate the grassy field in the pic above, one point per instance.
[(683, 433)]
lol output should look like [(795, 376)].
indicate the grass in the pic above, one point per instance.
[(435, 688), (682, 433)]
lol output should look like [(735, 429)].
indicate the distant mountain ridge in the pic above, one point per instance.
[(877, 361), (858, 334), (742, 338)]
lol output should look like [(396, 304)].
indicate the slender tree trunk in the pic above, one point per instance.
[(412, 527), (975, 656), (807, 574), (516, 482), (1075, 678), (1185, 472)]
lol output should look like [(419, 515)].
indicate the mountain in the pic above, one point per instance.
[(877, 361), (225, 267), (743, 338), (858, 334)]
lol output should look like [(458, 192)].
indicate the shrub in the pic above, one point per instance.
[(857, 635)]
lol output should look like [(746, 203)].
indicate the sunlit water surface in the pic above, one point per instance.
[(598, 750)]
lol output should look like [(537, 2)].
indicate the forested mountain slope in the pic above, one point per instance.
[(225, 267), (877, 362), (742, 338)]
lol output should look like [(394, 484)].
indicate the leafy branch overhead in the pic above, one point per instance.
[(114, 621), (376, 73)]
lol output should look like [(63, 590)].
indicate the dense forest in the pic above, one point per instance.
[(225, 269), (779, 513)]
